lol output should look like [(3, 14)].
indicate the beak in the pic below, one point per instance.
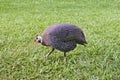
[(35, 41)]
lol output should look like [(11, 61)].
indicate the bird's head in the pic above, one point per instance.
[(38, 39)]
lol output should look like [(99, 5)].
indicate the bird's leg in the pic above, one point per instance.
[(65, 56), (47, 55)]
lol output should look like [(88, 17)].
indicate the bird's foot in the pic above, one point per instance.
[(65, 59), (46, 56)]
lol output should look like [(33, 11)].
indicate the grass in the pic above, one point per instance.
[(22, 59)]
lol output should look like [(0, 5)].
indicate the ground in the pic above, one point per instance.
[(22, 59)]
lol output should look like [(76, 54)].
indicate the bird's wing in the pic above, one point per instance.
[(68, 35)]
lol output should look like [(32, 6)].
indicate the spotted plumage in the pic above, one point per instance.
[(63, 37)]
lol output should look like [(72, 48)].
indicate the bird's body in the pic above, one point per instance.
[(63, 37)]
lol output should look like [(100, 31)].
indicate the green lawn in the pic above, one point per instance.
[(22, 59)]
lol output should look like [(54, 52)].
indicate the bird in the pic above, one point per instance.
[(63, 37)]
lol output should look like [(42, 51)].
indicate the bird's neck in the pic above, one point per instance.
[(41, 41)]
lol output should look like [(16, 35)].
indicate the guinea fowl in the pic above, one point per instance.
[(63, 37)]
